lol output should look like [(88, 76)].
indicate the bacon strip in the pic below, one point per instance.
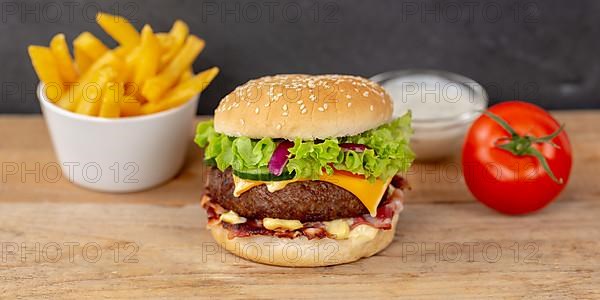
[(400, 182), (383, 220)]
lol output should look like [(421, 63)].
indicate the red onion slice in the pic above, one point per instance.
[(280, 157), (353, 147)]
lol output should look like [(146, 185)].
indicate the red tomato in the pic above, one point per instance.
[(511, 183)]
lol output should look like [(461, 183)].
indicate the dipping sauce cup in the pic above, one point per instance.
[(443, 106)]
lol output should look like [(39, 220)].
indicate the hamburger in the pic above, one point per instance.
[(304, 169)]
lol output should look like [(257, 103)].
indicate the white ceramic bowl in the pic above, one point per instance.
[(120, 155), (439, 123)]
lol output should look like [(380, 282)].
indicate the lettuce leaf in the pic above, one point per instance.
[(388, 152), (308, 159)]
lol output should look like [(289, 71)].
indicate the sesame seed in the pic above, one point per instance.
[(325, 106), (299, 101), (285, 107), (349, 104), (302, 107), (256, 110), (278, 126), (242, 121), (285, 113), (366, 94), (320, 109), (303, 111), (348, 97), (371, 107)]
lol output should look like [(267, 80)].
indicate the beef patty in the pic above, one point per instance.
[(301, 200)]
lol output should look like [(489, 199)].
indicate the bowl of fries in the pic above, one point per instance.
[(121, 119)]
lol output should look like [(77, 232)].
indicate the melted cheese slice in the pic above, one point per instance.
[(232, 217), (340, 228), (272, 224), (368, 193)]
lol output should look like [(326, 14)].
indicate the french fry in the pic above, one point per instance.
[(151, 108), (147, 72), (156, 86), (187, 74), (109, 59), (130, 107), (113, 61), (70, 100), (133, 91), (111, 98), (165, 40), (44, 64), (132, 56), (90, 98), (146, 64), (130, 60), (183, 92), (191, 87), (121, 51), (82, 61), (90, 45), (119, 29), (60, 50), (179, 33)]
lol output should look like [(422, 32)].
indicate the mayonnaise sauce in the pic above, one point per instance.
[(443, 105)]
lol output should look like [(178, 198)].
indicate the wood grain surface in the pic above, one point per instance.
[(61, 241)]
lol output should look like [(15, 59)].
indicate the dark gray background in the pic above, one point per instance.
[(546, 52)]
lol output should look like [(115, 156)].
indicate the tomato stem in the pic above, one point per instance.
[(522, 144)]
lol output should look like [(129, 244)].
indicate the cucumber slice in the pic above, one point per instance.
[(262, 174)]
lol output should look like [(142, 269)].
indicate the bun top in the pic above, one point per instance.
[(303, 106)]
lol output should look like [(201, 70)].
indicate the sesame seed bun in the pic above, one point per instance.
[(303, 106)]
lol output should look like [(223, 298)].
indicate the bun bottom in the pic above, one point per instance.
[(302, 252)]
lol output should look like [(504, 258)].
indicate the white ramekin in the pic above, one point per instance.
[(120, 155), (436, 138)]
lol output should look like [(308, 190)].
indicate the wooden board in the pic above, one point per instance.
[(446, 244)]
